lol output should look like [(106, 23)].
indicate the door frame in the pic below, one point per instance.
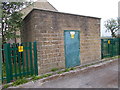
[(65, 45)]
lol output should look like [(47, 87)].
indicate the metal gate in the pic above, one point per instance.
[(110, 47), (72, 48), (20, 60)]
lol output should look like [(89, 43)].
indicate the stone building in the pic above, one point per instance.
[(39, 4), (63, 40)]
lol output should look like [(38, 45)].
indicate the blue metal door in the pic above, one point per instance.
[(72, 48)]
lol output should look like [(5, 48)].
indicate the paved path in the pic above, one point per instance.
[(106, 77)]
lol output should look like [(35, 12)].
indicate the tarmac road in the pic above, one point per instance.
[(106, 77), (102, 77)]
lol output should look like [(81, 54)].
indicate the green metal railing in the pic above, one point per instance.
[(20, 61), (110, 47)]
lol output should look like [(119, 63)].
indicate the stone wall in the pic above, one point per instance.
[(47, 28)]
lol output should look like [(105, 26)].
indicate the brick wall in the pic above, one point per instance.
[(47, 28)]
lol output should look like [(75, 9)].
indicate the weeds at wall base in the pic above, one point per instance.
[(33, 78)]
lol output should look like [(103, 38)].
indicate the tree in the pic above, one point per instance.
[(11, 19), (112, 25)]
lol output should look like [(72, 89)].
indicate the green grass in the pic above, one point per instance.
[(59, 72), (16, 83), (20, 81), (54, 69), (6, 86), (46, 75), (25, 80), (40, 77), (115, 57), (50, 74), (36, 78), (119, 56), (72, 68), (67, 70)]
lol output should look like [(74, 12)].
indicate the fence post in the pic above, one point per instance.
[(35, 58), (7, 60), (26, 55), (111, 48), (108, 49), (23, 59), (102, 48), (31, 60), (118, 46), (0, 63)]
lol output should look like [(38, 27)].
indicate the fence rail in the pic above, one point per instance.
[(20, 60), (110, 47)]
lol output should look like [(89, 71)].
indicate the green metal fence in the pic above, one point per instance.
[(0, 64), (110, 47), (20, 60)]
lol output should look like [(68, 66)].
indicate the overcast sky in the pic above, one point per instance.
[(104, 9)]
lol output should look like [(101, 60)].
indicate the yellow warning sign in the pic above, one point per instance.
[(72, 34), (108, 41), (20, 48)]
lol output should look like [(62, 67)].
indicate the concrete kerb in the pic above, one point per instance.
[(83, 70), (103, 64)]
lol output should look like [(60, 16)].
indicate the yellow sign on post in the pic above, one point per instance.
[(20, 48), (108, 41)]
